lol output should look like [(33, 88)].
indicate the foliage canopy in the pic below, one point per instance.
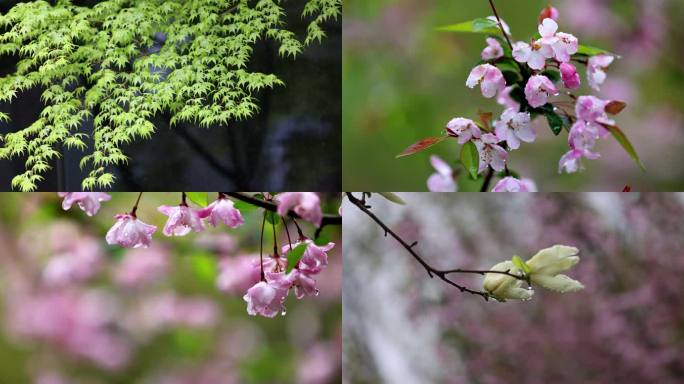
[(120, 62)]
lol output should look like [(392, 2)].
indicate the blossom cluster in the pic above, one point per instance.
[(543, 269), (530, 79), (266, 280)]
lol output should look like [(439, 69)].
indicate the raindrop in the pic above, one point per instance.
[(283, 312), (317, 292)]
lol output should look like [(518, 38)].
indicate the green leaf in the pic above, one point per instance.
[(204, 266), (392, 197), (555, 122), (591, 51), (294, 255), (421, 145), (199, 198), (479, 25), (552, 74), (244, 206), (470, 159), (272, 217), (510, 70), (521, 264), (625, 143)]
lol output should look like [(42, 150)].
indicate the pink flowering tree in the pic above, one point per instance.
[(536, 78), (166, 287)]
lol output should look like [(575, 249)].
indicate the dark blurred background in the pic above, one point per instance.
[(403, 81), (293, 143)]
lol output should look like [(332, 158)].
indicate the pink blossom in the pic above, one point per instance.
[(443, 179), (464, 129), (81, 261), (222, 211), (140, 267), (565, 47), (89, 202), (511, 184), (129, 232), (534, 55), (593, 110), (583, 136), (305, 204), (237, 274), (547, 29), (303, 282), (266, 298), (490, 153), (514, 127), (488, 77), (78, 323), (571, 78), (504, 98), (549, 12), (503, 23), (571, 161), (493, 50), (538, 89), (182, 220), (315, 257), (596, 70)]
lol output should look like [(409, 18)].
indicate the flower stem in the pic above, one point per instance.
[(487, 180), (261, 248), (135, 207)]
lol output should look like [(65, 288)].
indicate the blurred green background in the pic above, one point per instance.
[(403, 80)]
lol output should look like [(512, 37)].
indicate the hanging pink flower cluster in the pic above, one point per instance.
[(529, 79), (266, 297), (266, 280)]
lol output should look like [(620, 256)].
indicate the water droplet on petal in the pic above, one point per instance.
[(283, 313), (317, 292)]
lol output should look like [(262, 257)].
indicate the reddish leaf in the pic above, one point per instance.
[(614, 107), (421, 145), (485, 118), (627, 189)]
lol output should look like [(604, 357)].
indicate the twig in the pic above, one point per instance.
[(431, 271), (487, 180), (269, 206), (496, 14)]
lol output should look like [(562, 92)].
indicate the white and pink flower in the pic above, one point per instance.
[(222, 211), (443, 179), (89, 202), (489, 78), (505, 99), (511, 184), (538, 90), (266, 298), (129, 232), (305, 204), (493, 50), (491, 154), (464, 129), (596, 70), (514, 127), (182, 219)]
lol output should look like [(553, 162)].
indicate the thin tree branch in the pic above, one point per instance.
[(273, 207), (431, 271), (487, 180), (496, 14)]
